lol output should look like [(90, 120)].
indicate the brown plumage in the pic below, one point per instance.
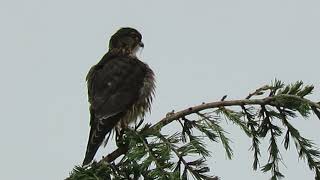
[(120, 89)]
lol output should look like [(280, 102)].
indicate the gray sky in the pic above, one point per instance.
[(199, 50)]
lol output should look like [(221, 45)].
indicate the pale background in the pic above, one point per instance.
[(199, 50)]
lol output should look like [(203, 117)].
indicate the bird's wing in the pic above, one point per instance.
[(113, 87)]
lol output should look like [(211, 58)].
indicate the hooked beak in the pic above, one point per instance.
[(141, 44)]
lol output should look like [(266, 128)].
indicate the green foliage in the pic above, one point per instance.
[(95, 172), (286, 101), (150, 154)]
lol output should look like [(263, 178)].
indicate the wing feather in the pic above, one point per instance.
[(115, 86)]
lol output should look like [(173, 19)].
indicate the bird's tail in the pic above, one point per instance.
[(97, 134)]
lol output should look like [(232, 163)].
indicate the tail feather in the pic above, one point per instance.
[(97, 134)]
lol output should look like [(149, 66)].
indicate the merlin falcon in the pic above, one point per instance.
[(120, 89)]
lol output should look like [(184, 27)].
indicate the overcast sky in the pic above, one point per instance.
[(199, 50)]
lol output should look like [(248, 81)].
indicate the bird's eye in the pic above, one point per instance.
[(135, 36)]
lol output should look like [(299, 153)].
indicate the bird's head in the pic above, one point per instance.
[(126, 40)]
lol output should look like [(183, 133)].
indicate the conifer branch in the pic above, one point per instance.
[(271, 101), (148, 153)]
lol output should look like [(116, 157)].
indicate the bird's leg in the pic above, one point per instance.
[(139, 124), (120, 137)]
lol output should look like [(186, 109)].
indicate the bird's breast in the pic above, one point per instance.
[(143, 103)]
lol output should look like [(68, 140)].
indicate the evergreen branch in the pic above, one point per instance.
[(115, 154), (305, 147), (235, 117), (271, 101), (204, 128), (187, 125), (154, 157), (81, 173), (199, 163), (219, 130), (148, 152), (274, 154), (259, 91), (254, 136)]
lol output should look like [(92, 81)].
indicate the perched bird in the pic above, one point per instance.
[(120, 89)]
